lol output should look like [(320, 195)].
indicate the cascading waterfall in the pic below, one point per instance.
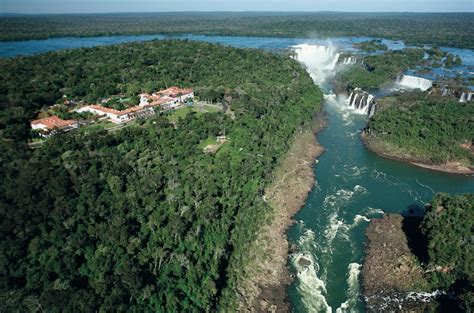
[(361, 102), (466, 97), (319, 60), (372, 110), (349, 60), (353, 104), (414, 82)]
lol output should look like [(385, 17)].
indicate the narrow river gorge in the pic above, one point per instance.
[(353, 184)]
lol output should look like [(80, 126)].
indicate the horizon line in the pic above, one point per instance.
[(232, 11)]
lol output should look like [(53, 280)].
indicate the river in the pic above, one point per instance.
[(353, 184)]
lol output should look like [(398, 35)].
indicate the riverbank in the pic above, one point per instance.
[(269, 276), (382, 149)]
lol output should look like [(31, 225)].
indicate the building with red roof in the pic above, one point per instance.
[(53, 123), (116, 116), (170, 98)]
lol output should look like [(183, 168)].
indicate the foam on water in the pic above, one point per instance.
[(339, 198), (353, 290), (359, 219), (359, 189), (311, 287), (425, 186), (373, 211), (331, 231), (387, 303), (354, 171)]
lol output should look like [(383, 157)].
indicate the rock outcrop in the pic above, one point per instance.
[(392, 278)]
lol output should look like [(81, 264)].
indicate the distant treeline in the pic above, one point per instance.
[(444, 29)]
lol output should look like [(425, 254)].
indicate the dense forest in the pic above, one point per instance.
[(448, 226), (141, 219), (444, 29), (425, 128)]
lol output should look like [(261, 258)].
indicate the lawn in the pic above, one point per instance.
[(175, 115), (207, 142)]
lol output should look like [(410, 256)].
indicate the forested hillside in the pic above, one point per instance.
[(445, 29), (424, 128), (141, 219)]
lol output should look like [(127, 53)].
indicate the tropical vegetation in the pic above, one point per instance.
[(449, 228), (141, 219), (425, 128)]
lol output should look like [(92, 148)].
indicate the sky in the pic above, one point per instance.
[(106, 6)]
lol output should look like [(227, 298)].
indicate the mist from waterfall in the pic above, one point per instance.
[(319, 60)]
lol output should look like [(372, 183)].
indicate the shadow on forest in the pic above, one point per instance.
[(417, 241)]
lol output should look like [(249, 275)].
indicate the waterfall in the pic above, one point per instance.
[(372, 110), (371, 97), (466, 97), (319, 60), (349, 60), (361, 102), (349, 100), (354, 101), (414, 82)]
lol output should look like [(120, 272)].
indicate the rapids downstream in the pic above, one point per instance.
[(353, 184)]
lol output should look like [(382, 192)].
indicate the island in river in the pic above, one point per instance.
[(428, 123), (424, 129)]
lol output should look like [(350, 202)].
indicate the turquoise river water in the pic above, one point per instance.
[(353, 184)]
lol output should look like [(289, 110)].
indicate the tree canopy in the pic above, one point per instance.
[(141, 219), (449, 228), (428, 128)]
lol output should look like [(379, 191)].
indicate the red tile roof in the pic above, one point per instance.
[(174, 91), (53, 122), (159, 101)]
